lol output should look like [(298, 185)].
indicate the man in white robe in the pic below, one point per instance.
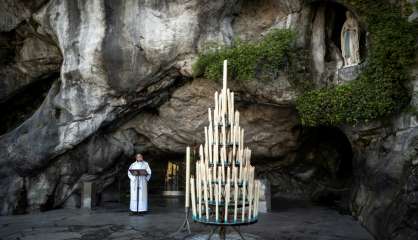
[(139, 199)]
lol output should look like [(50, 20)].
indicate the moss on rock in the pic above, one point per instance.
[(247, 60)]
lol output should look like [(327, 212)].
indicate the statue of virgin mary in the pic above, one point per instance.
[(350, 41)]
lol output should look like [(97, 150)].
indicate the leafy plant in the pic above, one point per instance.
[(247, 60)]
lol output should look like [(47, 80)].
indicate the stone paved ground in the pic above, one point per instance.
[(165, 218)]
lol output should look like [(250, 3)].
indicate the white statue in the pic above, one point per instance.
[(350, 41)]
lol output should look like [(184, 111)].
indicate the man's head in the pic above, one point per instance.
[(138, 157)]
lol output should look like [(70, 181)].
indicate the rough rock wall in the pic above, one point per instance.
[(117, 58), (124, 87), (181, 119), (385, 158)]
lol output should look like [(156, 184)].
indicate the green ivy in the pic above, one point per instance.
[(379, 90), (247, 60)]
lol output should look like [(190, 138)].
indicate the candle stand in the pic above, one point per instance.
[(223, 190)]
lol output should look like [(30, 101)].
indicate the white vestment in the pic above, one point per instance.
[(141, 182)]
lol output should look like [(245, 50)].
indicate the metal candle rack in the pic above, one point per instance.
[(223, 191)]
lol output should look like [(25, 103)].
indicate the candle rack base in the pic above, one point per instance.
[(221, 227), (232, 235), (222, 232)]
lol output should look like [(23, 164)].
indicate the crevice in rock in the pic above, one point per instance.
[(21, 106), (156, 94), (22, 200)]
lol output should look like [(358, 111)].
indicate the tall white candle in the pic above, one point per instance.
[(215, 166), (225, 156), (193, 197), (210, 134), (224, 132), (228, 104), (227, 192), (243, 201), (231, 133), (243, 157), (210, 116), (206, 135), (225, 73), (219, 190), (216, 203), (202, 182), (202, 157), (210, 151), (207, 170), (199, 191), (239, 139), (205, 190), (216, 137), (187, 177), (219, 174), (250, 197), (242, 138), (235, 196), (210, 184), (206, 153), (216, 111), (255, 199), (220, 106), (215, 154), (234, 173), (233, 129), (225, 106), (223, 163), (228, 174), (247, 170), (240, 170), (232, 107), (219, 193)]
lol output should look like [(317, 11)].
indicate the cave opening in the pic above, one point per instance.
[(321, 173), (165, 188), (329, 152)]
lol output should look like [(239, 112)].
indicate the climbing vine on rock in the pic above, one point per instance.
[(246, 59), (379, 91)]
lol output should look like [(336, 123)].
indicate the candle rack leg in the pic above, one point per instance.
[(239, 232), (222, 233), (212, 232), (186, 225)]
